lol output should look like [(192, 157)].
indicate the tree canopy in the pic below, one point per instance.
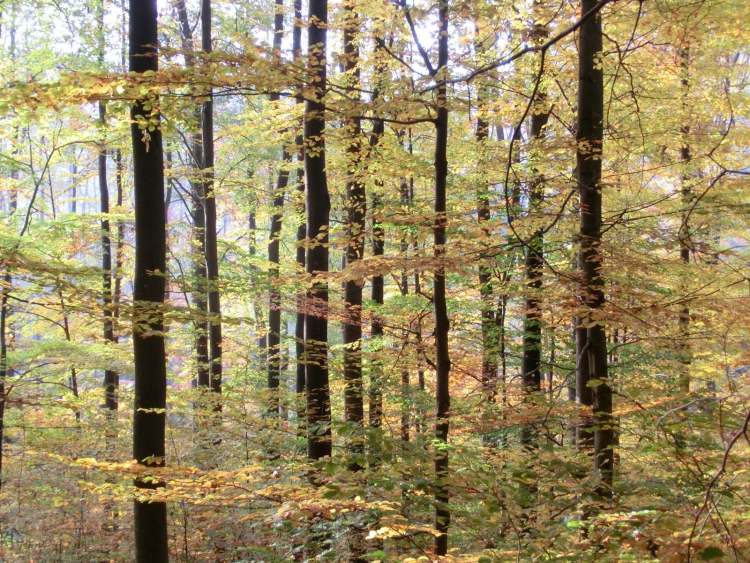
[(374, 280)]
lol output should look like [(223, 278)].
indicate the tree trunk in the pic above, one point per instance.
[(685, 356), (108, 332), (274, 299), (148, 295), (375, 392), (443, 364), (212, 257), (299, 335), (198, 215), (405, 193), (119, 247), (592, 373), (318, 209), (356, 206), (531, 366), (489, 321)]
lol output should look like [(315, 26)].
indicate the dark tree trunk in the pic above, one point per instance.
[(212, 256), (260, 325), (274, 299), (356, 206), (318, 209), (405, 193), (489, 320), (299, 334), (119, 247), (200, 324), (685, 356), (419, 345), (375, 392), (592, 373), (148, 295), (531, 366), (111, 378), (198, 215), (443, 364)]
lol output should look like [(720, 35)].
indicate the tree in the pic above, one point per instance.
[(356, 212), (299, 334), (375, 390), (198, 216), (443, 363), (279, 193), (212, 253), (489, 318), (318, 207), (531, 365), (150, 518), (684, 231), (110, 376), (592, 363)]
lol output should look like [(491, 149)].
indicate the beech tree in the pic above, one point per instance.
[(318, 205), (592, 364), (149, 410), (485, 174), (274, 304), (212, 253), (356, 212)]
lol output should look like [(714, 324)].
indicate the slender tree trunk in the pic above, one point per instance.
[(531, 366), (419, 344), (685, 355), (148, 296), (318, 209), (299, 334), (260, 325), (4, 370), (198, 215), (356, 206), (274, 303), (110, 376), (489, 321), (212, 257), (443, 364), (119, 247), (405, 193), (375, 392), (592, 374)]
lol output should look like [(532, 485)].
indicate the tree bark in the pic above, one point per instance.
[(299, 335), (108, 332), (148, 295), (443, 364), (531, 365), (212, 256), (356, 206), (198, 216), (592, 372), (274, 299), (318, 209), (489, 321), (685, 355), (375, 392), (405, 193)]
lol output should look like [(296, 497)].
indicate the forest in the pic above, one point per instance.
[(374, 280)]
